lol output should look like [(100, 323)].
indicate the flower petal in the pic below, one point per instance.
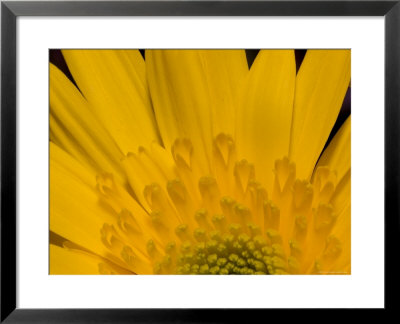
[(113, 82), (342, 196), (324, 225), (225, 71), (336, 258), (337, 155), (192, 95), (75, 212), (147, 167), (69, 262), (336, 255), (265, 115), (79, 215), (75, 261), (75, 128), (321, 85)]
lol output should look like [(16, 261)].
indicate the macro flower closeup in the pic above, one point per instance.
[(190, 162)]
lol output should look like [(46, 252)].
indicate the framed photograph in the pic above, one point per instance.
[(186, 161)]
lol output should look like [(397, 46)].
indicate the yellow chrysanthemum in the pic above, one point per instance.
[(189, 162)]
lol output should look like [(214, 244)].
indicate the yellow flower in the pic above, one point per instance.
[(189, 162)]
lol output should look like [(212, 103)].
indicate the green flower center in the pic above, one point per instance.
[(234, 252)]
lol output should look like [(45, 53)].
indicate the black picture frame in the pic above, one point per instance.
[(11, 10)]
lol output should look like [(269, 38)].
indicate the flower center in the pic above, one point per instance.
[(235, 250)]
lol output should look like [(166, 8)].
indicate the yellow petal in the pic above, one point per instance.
[(334, 220), (321, 85), (77, 214), (265, 115), (75, 128), (336, 258), (225, 71), (336, 254), (342, 196), (148, 167), (192, 95), (342, 229), (337, 155), (75, 211), (70, 262), (113, 82)]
